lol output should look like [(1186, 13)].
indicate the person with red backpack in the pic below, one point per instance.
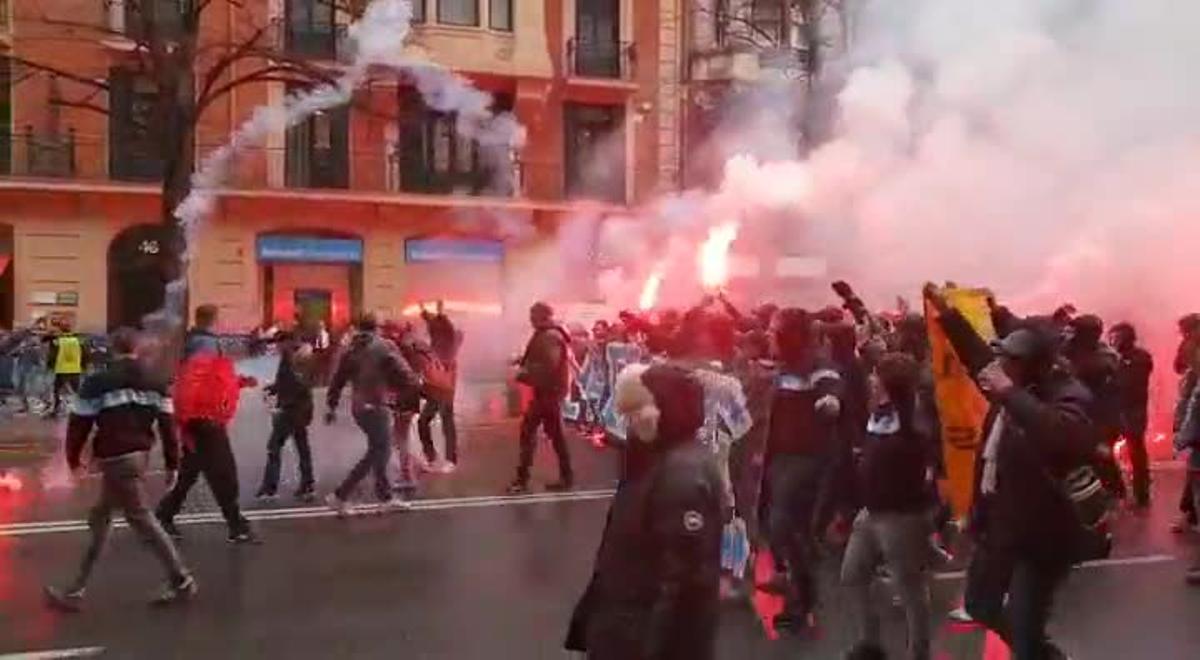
[(206, 394)]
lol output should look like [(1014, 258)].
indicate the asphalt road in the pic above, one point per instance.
[(468, 574)]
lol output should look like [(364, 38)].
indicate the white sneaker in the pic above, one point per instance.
[(395, 505), (443, 467), (960, 615), (340, 506)]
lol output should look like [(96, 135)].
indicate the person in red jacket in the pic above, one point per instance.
[(206, 396)]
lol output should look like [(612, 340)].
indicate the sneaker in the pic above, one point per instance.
[(63, 600), (518, 487), (179, 592), (560, 486), (170, 528), (960, 615), (395, 505), (244, 537), (422, 465), (340, 506), (306, 493), (443, 467), (1192, 576), (266, 496)]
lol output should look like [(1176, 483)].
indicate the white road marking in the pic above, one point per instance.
[(82, 652), (297, 513), (1101, 563)]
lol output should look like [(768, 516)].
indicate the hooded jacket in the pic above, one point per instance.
[(375, 370), (655, 590)]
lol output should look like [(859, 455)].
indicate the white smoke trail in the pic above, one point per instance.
[(377, 38)]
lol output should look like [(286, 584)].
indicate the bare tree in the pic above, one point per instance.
[(796, 30), (189, 67)]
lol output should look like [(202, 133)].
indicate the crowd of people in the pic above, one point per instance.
[(43, 364), (740, 434), (832, 418)]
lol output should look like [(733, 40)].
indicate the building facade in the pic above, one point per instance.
[(375, 206)]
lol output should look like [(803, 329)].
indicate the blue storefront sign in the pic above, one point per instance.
[(310, 249), (465, 250)]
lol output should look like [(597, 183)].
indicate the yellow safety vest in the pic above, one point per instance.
[(69, 359)]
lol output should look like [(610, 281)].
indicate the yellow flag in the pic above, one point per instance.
[(961, 406)]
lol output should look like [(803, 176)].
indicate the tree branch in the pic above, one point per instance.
[(55, 71)]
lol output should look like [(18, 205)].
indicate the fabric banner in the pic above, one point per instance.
[(961, 406)]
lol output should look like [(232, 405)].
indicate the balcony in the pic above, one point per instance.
[(404, 175), (609, 60), (38, 154)]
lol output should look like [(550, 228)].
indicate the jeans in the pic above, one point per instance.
[(376, 424), (546, 411), (211, 455), (1030, 587), (794, 483), (901, 542), (445, 409), (286, 425), (123, 488)]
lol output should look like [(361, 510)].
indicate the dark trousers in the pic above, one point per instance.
[(445, 409), (284, 425), (545, 411), (211, 455), (376, 423), (64, 383), (123, 489), (1029, 586), (1139, 460), (1187, 502), (794, 483)]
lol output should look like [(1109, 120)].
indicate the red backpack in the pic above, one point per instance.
[(206, 387)]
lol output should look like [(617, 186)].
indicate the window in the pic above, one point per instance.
[(310, 28), (163, 17), (458, 12), (418, 11), (316, 151), (500, 15), (595, 152), (596, 50), (133, 150), (431, 155), (768, 18)]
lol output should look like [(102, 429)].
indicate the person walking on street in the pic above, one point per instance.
[(801, 462), (206, 397), (445, 340), (377, 373), (545, 367), (1028, 532), (67, 360), (1133, 380), (119, 410), (655, 590), (895, 470), (292, 390)]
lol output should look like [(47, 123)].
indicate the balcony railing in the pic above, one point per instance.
[(601, 59), (405, 176), (39, 154)]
